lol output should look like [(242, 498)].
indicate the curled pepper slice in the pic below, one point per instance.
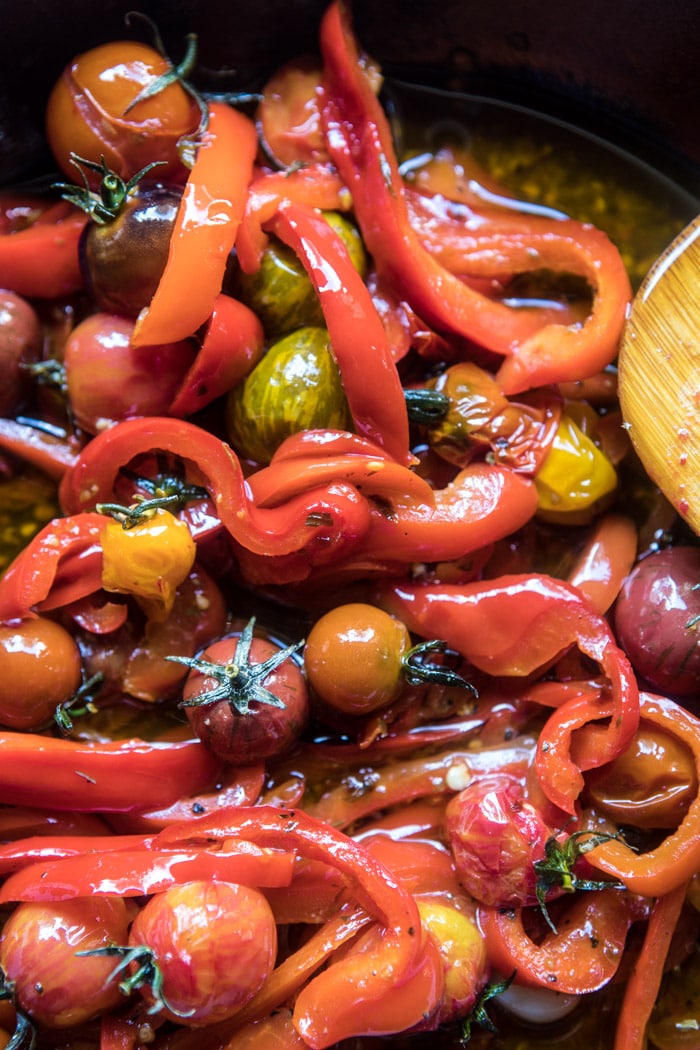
[(359, 141), (662, 870), (515, 625), (339, 1000), (41, 260)]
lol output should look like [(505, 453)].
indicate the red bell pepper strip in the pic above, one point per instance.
[(359, 981), (65, 552), (398, 782), (135, 873), (207, 221), (45, 848), (41, 260), (582, 957), (231, 346), (317, 185), (605, 561), (661, 870), (359, 141), (516, 625), (48, 453), (119, 776), (359, 342), (643, 985)]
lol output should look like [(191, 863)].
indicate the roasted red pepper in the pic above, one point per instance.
[(51, 454), (40, 261), (118, 776), (359, 342), (208, 218), (339, 1002), (582, 957), (359, 141), (516, 625)]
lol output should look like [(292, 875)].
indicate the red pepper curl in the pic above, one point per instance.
[(359, 141), (337, 1003), (518, 625), (41, 260)]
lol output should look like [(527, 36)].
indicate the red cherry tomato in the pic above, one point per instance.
[(20, 343), (88, 112), (353, 658), (214, 944), (54, 985), (657, 620), (109, 380), (495, 836), (40, 668), (239, 722)]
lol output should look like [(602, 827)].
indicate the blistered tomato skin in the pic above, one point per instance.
[(88, 112), (54, 985), (214, 943), (40, 668), (657, 620)]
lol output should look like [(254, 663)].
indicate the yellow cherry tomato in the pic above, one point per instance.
[(148, 560), (575, 475)]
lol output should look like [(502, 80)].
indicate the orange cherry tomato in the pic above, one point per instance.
[(88, 112), (650, 785), (214, 944), (54, 985), (353, 658), (289, 114), (40, 668)]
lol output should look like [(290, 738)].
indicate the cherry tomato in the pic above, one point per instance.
[(353, 658), (107, 379), (463, 954), (650, 785), (88, 112), (40, 668), (657, 620), (122, 259), (214, 944), (149, 559), (54, 985), (495, 835), (20, 343), (245, 697)]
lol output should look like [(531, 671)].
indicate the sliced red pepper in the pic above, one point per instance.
[(581, 957), (46, 848), (643, 985), (208, 218), (232, 345), (317, 185), (663, 869), (359, 140), (50, 454), (359, 342), (116, 776), (516, 625), (135, 873), (65, 553), (41, 260), (359, 980)]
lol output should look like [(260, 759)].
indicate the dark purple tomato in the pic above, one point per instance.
[(657, 620), (20, 344), (122, 260)]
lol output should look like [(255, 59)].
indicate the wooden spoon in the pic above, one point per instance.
[(659, 371)]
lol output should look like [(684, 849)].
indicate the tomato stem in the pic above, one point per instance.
[(81, 703), (556, 867), (147, 974), (478, 1013), (104, 206), (239, 681), (416, 671)]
